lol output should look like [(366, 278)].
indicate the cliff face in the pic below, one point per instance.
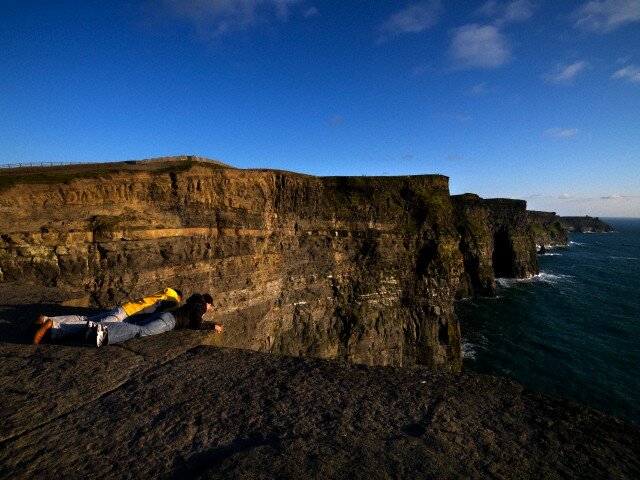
[(496, 240), (585, 224), (363, 269), (547, 229)]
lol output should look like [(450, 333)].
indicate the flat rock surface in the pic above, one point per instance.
[(176, 406)]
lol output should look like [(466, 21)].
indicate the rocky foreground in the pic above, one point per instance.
[(177, 406)]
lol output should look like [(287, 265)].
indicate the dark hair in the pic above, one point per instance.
[(178, 292), (208, 298)]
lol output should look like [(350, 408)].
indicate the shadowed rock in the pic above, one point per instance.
[(164, 407)]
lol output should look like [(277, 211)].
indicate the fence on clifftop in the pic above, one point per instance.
[(34, 164)]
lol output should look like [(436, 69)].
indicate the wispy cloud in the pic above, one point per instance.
[(514, 11), (488, 8), (415, 18), (479, 89), (630, 73), (479, 46), (216, 18), (311, 12), (602, 16), (518, 11), (615, 196), (564, 74), (452, 158), (419, 70), (562, 132), (565, 196)]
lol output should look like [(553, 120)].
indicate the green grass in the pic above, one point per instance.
[(61, 177)]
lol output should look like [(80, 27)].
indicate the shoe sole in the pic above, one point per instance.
[(42, 331), (101, 335)]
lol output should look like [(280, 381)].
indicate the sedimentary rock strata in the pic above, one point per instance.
[(364, 269)]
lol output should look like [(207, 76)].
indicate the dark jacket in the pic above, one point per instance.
[(190, 314)]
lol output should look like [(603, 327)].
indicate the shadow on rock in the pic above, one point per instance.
[(204, 462), (16, 320)]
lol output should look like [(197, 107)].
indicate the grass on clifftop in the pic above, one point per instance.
[(65, 175)]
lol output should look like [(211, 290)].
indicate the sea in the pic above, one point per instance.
[(572, 331)]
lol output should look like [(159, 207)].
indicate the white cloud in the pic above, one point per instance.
[(602, 16), (518, 11), (479, 89), (413, 19), (311, 12), (452, 158), (630, 72), (220, 17), (514, 11), (563, 74), (479, 46), (488, 8), (565, 196), (562, 132), (615, 196)]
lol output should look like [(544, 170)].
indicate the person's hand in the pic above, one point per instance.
[(218, 328)]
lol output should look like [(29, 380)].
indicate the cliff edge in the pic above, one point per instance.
[(364, 269)]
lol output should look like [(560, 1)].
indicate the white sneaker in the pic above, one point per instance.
[(102, 335), (90, 333)]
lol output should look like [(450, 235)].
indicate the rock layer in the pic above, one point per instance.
[(365, 269), (497, 239)]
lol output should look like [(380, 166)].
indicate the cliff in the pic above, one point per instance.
[(364, 269), (497, 239), (547, 229), (584, 224)]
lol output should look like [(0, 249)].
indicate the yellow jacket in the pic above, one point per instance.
[(152, 303)]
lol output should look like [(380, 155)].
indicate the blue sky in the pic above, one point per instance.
[(527, 99)]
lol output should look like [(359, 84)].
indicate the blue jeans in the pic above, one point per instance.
[(119, 332), (69, 325)]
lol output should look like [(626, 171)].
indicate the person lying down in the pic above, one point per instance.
[(115, 327)]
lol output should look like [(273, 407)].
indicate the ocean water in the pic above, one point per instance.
[(574, 330)]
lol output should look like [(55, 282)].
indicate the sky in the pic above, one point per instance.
[(538, 100)]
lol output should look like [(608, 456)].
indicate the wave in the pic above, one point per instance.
[(469, 350), (552, 254), (623, 258), (552, 277), (572, 243), (541, 277)]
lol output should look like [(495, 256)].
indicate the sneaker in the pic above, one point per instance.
[(90, 333), (102, 335), (43, 332), (37, 324)]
